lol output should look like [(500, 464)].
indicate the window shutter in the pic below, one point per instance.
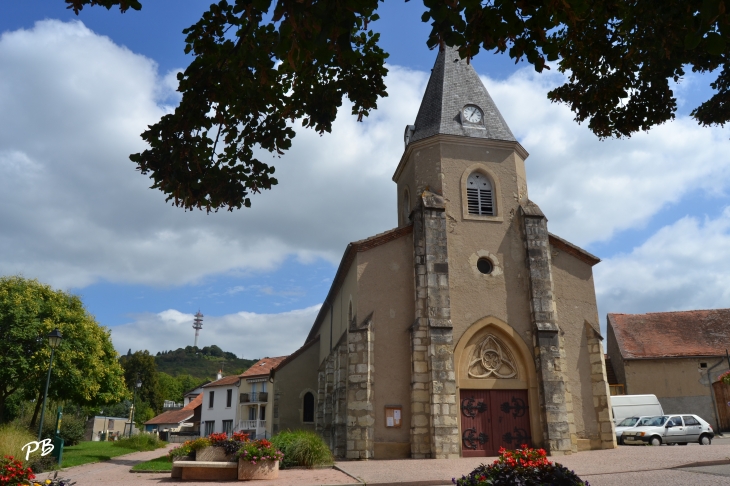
[(479, 195)]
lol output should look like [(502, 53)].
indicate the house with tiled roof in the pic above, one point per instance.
[(240, 402), (186, 419), (673, 355), (218, 413), (255, 398)]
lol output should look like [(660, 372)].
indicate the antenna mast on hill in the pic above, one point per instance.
[(197, 325)]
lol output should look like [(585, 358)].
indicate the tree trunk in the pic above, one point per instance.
[(2, 407), (37, 410)]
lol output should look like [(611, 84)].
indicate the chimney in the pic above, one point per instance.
[(220, 375)]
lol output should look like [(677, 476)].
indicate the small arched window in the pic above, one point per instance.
[(349, 314), (308, 407), (479, 194)]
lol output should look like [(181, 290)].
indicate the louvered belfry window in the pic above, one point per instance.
[(479, 195)]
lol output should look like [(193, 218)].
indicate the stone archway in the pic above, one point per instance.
[(496, 388)]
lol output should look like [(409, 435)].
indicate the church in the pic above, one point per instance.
[(467, 328)]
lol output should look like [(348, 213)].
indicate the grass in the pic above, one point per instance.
[(89, 452), (141, 442), (12, 440), (161, 464), (302, 448)]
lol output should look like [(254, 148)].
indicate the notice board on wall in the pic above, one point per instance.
[(393, 416)]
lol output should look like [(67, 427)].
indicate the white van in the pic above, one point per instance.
[(634, 406)]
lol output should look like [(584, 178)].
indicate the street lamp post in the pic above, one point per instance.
[(134, 403), (54, 339)]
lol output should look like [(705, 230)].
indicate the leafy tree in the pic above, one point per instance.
[(85, 367), (259, 65), (187, 383), (143, 413), (141, 365), (170, 387)]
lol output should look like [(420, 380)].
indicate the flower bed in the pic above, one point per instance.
[(524, 466), (258, 451), (216, 454)]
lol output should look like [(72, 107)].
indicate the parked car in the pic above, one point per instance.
[(628, 423), (624, 406), (670, 429)]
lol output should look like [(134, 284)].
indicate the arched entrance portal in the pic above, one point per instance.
[(496, 390)]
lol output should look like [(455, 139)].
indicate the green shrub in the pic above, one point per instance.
[(72, 430), (39, 463), (141, 442), (12, 439), (302, 448), (189, 447)]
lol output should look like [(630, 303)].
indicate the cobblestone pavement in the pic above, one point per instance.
[(665, 465), (116, 472), (621, 466)]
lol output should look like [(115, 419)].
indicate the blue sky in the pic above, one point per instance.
[(75, 92)]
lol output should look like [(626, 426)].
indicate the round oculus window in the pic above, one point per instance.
[(485, 266)]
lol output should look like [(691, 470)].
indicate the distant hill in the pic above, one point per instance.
[(201, 363)]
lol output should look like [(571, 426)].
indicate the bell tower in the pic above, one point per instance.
[(480, 250)]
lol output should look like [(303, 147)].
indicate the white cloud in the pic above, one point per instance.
[(685, 265), (590, 189), (74, 210), (245, 334)]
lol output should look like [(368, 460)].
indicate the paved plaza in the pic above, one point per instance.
[(664, 465)]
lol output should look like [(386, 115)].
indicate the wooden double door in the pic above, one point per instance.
[(491, 419)]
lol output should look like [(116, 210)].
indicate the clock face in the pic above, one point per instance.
[(472, 114)]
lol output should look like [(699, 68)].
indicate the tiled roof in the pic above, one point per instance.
[(177, 416), (197, 401), (226, 380), (672, 334), (263, 367), (452, 85)]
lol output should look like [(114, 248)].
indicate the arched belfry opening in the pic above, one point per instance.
[(496, 390)]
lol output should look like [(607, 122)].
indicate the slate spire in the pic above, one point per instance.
[(453, 85)]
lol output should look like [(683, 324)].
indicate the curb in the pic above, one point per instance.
[(338, 468)]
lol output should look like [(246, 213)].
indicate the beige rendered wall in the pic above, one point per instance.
[(422, 170), (575, 299), (680, 384), (291, 382), (385, 287), (338, 310), (504, 293)]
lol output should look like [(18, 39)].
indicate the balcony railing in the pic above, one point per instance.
[(254, 397), (251, 424)]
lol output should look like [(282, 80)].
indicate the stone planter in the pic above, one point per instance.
[(177, 471), (260, 470), (213, 454)]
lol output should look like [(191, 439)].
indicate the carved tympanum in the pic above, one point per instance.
[(492, 359)]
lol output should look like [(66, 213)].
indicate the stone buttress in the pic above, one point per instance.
[(434, 427), (360, 372), (556, 405)]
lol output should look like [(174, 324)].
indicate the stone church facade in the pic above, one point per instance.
[(467, 328)]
